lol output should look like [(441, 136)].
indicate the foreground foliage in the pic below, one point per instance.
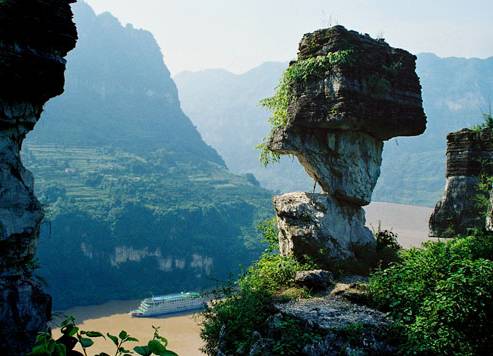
[(73, 337), (230, 324), (441, 296)]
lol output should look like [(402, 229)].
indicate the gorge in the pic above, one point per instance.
[(130, 187)]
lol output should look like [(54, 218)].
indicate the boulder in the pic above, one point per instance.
[(346, 328), (374, 90), (469, 155), (315, 279), (318, 226)]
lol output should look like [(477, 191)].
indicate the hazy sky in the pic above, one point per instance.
[(240, 34)]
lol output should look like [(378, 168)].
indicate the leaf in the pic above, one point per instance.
[(38, 350), (132, 339), (168, 353), (123, 334), (51, 346), (142, 350), (102, 354), (86, 342), (162, 339), (113, 338), (70, 330), (156, 347), (94, 334), (60, 350)]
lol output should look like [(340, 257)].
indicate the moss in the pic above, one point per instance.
[(297, 74)]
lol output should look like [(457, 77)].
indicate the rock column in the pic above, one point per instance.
[(339, 116), (34, 38), (469, 155)]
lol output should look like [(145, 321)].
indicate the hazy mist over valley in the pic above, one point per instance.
[(225, 107)]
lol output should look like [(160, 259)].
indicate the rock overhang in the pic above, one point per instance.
[(374, 90), (35, 36)]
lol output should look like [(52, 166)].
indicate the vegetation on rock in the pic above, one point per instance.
[(413, 169), (487, 124), (230, 324), (297, 73)]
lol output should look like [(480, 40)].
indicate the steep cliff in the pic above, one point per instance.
[(34, 38), (469, 159), (336, 104)]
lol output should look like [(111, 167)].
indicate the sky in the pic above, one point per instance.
[(238, 35)]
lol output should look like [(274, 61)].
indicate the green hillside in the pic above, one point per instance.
[(136, 203)]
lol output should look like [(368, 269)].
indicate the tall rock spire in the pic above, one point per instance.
[(338, 102)]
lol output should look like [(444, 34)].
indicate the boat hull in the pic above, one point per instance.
[(167, 313)]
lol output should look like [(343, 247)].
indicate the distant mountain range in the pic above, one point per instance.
[(224, 106), (137, 203)]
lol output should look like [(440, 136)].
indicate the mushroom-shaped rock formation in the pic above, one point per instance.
[(35, 36), (469, 159), (335, 106)]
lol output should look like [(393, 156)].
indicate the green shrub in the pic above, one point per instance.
[(230, 323), (387, 248), (441, 296)]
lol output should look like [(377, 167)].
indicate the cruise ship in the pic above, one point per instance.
[(168, 304)]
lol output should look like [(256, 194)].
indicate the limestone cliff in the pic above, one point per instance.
[(469, 155), (34, 38), (353, 93)]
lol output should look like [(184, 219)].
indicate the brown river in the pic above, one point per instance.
[(182, 331)]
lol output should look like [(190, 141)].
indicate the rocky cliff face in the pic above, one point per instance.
[(33, 42), (469, 155), (361, 92)]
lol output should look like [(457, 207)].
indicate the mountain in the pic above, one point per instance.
[(224, 106), (118, 74), (136, 202)]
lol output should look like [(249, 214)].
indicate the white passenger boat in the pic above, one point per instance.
[(168, 304)]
